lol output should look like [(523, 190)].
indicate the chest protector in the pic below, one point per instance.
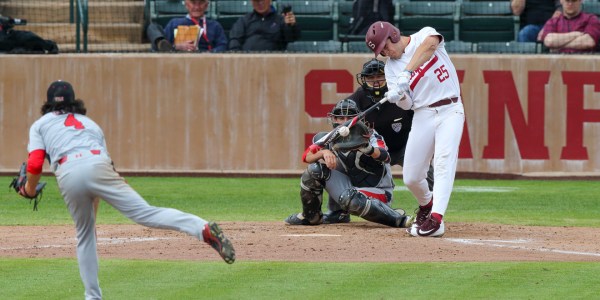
[(363, 170)]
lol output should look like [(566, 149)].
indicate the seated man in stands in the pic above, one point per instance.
[(572, 32), (196, 32), (263, 29), (367, 12), (533, 14)]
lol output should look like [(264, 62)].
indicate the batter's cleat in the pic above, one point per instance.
[(334, 217), (213, 235), (299, 219), (430, 228), (421, 215)]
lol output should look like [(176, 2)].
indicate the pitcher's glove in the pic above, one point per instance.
[(18, 184), (357, 138)]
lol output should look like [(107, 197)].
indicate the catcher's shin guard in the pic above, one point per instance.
[(372, 209), (311, 207), (311, 192)]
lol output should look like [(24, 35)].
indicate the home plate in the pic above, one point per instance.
[(313, 235)]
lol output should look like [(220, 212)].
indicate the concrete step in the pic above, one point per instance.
[(118, 47), (44, 11), (100, 33)]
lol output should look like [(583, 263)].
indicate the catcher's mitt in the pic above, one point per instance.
[(18, 184), (357, 138)]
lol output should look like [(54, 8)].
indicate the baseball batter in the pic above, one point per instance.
[(392, 122), (76, 149), (422, 78)]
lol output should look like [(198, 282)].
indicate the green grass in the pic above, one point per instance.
[(131, 279), (541, 203), (527, 202)]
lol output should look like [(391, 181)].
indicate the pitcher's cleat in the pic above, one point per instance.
[(213, 235)]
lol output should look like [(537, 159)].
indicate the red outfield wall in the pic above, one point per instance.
[(235, 113)]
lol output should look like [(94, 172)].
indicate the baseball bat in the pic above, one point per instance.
[(334, 134)]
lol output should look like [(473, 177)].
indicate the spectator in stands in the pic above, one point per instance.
[(533, 15), (263, 29), (573, 31), (367, 12), (211, 37)]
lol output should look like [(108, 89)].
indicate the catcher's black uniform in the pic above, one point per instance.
[(389, 120)]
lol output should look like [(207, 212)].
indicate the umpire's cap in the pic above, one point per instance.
[(61, 91)]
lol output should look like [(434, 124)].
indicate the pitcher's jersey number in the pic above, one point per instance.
[(71, 121)]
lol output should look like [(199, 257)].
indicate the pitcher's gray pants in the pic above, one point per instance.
[(80, 180)]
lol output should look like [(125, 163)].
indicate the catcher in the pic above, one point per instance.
[(355, 172)]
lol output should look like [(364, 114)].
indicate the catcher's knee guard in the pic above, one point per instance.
[(373, 210), (311, 192), (319, 172)]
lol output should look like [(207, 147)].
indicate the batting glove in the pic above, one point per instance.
[(404, 80), (406, 101), (393, 96)]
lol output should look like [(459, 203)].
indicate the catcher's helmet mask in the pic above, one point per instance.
[(378, 34), (376, 88), (344, 108)]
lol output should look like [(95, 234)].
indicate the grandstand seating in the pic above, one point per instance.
[(344, 13), (164, 10), (487, 21), (112, 26), (118, 25), (592, 7), (228, 12), (508, 47), (443, 16), (357, 47), (315, 18), (330, 46), (459, 47)]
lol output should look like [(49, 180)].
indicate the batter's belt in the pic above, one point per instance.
[(444, 102)]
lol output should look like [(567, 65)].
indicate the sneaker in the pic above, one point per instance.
[(421, 215), (334, 217), (213, 235), (299, 219), (429, 228), (164, 46)]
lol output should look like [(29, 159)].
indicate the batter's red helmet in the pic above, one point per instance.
[(378, 34)]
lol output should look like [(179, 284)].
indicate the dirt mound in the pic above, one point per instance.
[(353, 242)]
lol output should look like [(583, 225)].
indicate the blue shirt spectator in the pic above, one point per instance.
[(213, 38)]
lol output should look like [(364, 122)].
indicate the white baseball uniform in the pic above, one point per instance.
[(76, 148), (436, 127)]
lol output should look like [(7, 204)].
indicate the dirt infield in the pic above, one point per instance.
[(353, 242)]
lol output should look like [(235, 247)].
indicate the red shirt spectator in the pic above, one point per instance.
[(572, 32)]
